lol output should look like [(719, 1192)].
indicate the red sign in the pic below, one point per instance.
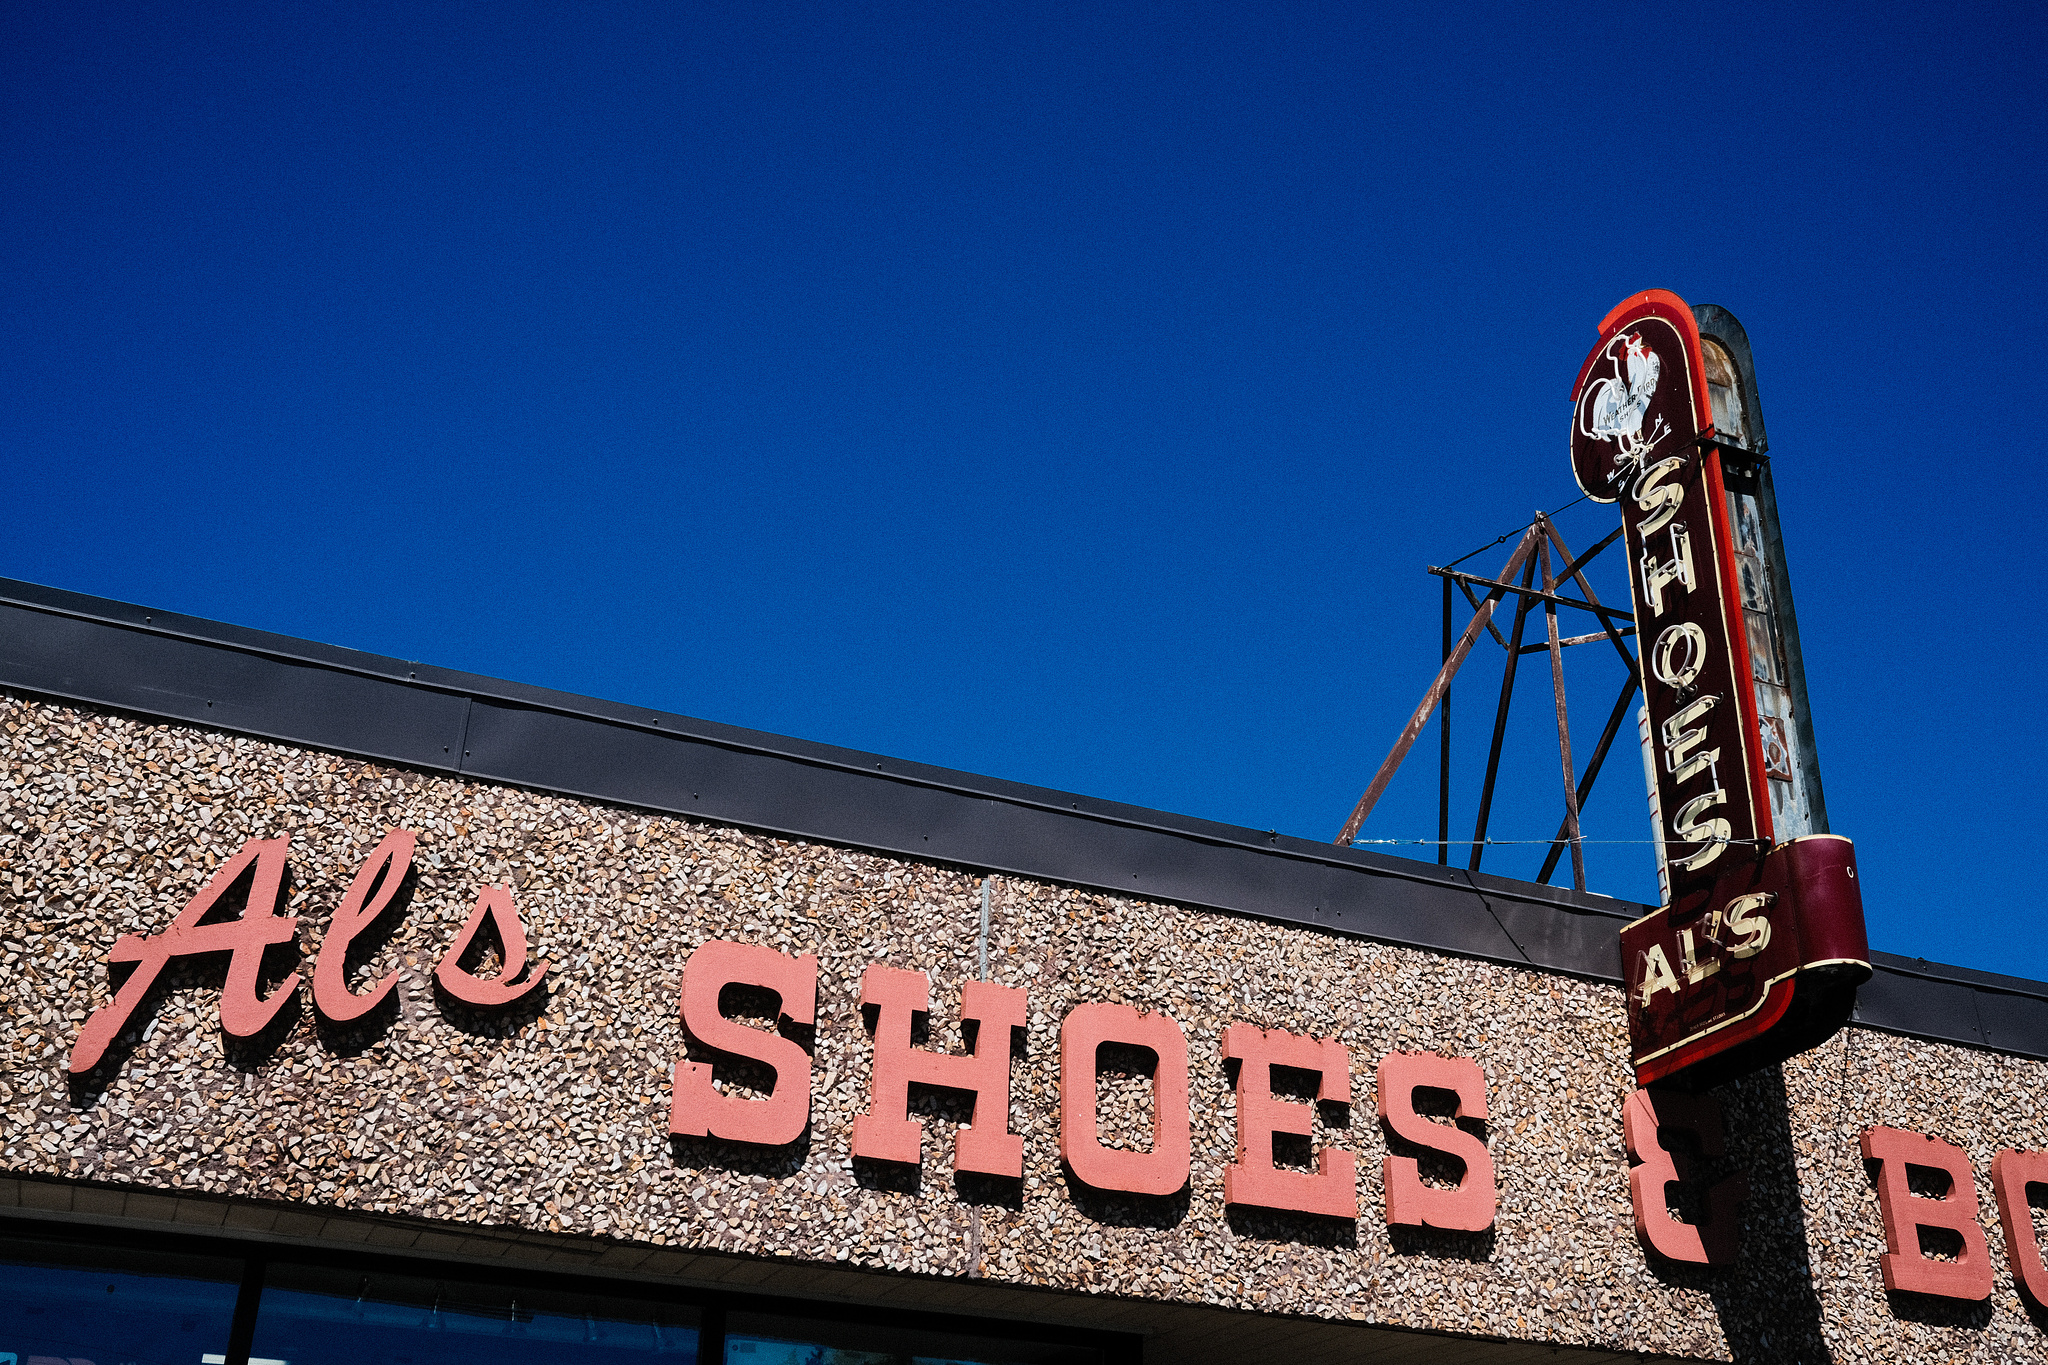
[(1641, 413), (1718, 967), (1714, 990)]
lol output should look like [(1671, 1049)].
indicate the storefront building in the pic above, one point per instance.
[(814, 1055)]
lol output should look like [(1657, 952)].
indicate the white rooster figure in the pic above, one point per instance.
[(1617, 405)]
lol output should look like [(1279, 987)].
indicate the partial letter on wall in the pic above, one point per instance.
[(1164, 1169), (1253, 1178), (2011, 1173), (243, 1013), (986, 1146), (1468, 1208), (699, 1110), (1655, 1169), (369, 896), (1905, 1213)]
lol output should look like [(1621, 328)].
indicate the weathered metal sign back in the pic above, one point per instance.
[(1713, 976)]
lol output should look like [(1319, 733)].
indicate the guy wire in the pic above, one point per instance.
[(1502, 539)]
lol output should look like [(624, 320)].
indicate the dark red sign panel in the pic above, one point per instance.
[(1715, 973), (1640, 411), (1702, 986)]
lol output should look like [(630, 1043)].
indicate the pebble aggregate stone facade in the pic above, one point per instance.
[(554, 1119)]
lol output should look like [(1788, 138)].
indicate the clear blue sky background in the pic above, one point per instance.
[(1073, 394)]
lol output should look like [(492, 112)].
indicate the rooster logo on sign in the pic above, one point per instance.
[(1616, 404)]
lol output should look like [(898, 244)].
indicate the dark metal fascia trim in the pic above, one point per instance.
[(416, 677), (1514, 923), (581, 708), (1989, 983)]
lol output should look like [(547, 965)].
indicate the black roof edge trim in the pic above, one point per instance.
[(1460, 879), (451, 682), (1989, 982), (1526, 924)]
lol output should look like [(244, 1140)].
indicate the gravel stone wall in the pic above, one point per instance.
[(555, 1118)]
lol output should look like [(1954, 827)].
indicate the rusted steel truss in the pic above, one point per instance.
[(1532, 559)]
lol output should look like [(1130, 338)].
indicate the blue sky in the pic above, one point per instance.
[(1073, 394)]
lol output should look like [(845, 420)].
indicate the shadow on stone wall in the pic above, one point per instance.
[(1442, 1245), (502, 1022), (992, 1191), (1935, 1311), (1282, 1225), (741, 1158), (1766, 1303), (1119, 1210)]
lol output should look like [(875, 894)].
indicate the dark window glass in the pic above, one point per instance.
[(761, 1339), (64, 1304), (314, 1316)]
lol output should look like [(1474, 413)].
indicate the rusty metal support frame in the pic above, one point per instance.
[(1477, 581), (1532, 554), (1564, 727), (1614, 719), (1443, 762), (1572, 571), (1436, 691), (1500, 719), (1568, 641), (1473, 598)]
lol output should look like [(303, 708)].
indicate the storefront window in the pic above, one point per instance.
[(759, 1339), (79, 1303), (314, 1316), (93, 1305)]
